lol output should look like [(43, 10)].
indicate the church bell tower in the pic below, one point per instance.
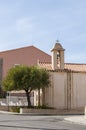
[(57, 56)]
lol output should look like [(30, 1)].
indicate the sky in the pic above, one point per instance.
[(42, 22)]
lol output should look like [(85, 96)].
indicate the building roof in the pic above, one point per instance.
[(28, 55), (75, 67), (58, 47), (67, 66)]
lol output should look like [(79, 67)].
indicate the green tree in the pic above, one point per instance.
[(26, 78)]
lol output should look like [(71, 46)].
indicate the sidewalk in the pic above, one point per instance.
[(77, 119)]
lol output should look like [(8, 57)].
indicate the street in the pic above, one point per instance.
[(35, 122)]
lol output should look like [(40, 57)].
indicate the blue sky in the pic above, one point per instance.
[(41, 23)]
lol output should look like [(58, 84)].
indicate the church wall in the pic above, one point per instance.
[(56, 95), (60, 86), (67, 90), (48, 94), (78, 90)]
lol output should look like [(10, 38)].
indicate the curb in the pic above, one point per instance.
[(7, 112)]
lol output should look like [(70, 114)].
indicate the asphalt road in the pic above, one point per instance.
[(28, 122)]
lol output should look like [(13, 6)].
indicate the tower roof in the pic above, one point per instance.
[(58, 47)]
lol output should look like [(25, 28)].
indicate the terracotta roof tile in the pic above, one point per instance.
[(68, 66), (75, 67)]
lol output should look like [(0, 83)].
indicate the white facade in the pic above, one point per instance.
[(67, 90), (68, 85)]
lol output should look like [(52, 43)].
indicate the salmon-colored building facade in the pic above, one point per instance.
[(23, 56), (28, 56)]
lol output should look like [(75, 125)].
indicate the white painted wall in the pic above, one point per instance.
[(59, 90), (78, 90), (57, 95)]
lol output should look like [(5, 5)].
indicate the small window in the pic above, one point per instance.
[(16, 64)]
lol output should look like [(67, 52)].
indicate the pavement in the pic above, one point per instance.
[(77, 119)]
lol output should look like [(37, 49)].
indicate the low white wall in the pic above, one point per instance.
[(38, 111)]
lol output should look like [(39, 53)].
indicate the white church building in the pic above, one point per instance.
[(68, 82)]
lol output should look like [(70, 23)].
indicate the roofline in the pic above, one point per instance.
[(64, 63), (24, 48), (14, 49), (66, 70), (76, 63)]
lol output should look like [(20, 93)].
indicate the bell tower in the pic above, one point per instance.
[(57, 56)]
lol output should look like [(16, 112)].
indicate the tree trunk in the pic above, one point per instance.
[(28, 98), (43, 96), (38, 97)]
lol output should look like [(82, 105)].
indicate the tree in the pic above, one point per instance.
[(26, 78)]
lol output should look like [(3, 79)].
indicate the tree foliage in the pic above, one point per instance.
[(26, 78)]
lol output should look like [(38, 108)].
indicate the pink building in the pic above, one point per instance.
[(29, 56), (22, 56)]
